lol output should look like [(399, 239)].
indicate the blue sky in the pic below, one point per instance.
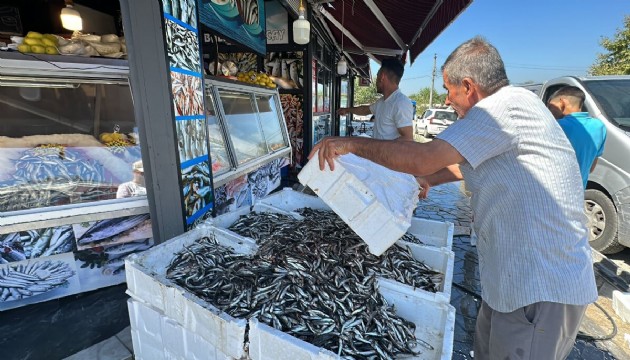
[(538, 39)]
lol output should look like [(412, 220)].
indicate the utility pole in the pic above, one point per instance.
[(432, 82)]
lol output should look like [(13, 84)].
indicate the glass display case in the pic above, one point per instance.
[(66, 140), (246, 128)]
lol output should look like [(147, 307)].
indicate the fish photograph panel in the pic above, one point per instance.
[(182, 10), (286, 69), (105, 265), (187, 94), (30, 244), (197, 189), (191, 139), (294, 117), (112, 231), (233, 195), (35, 280), (266, 178), (182, 47)]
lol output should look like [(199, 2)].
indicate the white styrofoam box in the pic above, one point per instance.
[(435, 324), (156, 336), (441, 260), (147, 283), (430, 232), (377, 203), (226, 220), (268, 343)]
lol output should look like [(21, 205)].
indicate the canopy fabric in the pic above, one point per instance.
[(380, 28)]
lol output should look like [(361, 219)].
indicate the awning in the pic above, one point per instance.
[(380, 28)]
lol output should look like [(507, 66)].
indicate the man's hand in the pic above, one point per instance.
[(329, 148), (424, 187)]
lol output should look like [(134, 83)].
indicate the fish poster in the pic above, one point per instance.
[(197, 190), (294, 117), (187, 94), (31, 244), (105, 265), (36, 280), (287, 68), (182, 47), (266, 179), (112, 231), (191, 139), (181, 10), (233, 195), (242, 21)]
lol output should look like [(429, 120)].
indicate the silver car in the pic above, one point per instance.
[(434, 121), (607, 196)]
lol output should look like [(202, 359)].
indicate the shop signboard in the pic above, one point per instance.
[(277, 23), (242, 21)]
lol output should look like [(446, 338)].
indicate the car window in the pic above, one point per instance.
[(446, 115), (614, 98)]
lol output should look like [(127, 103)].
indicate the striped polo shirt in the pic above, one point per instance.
[(527, 200)]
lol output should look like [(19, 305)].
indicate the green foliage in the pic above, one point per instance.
[(422, 99), (616, 61), (365, 95)]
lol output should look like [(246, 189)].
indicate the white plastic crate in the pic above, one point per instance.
[(147, 284), (377, 203), (440, 259), (430, 232), (435, 324)]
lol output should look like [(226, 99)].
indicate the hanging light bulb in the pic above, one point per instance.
[(342, 65), (301, 28), (70, 18)]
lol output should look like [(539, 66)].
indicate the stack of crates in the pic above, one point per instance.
[(168, 322)]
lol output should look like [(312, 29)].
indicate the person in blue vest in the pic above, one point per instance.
[(586, 134)]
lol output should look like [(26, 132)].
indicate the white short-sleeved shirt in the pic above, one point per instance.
[(527, 201), (392, 113)]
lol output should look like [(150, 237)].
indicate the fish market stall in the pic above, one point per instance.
[(69, 140)]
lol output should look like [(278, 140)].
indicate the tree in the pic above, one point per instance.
[(365, 95), (422, 99), (617, 59)]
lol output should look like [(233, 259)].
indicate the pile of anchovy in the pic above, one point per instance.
[(311, 278)]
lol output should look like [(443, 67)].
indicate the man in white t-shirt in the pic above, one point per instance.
[(393, 111)]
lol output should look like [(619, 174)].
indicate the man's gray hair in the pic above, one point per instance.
[(478, 60)]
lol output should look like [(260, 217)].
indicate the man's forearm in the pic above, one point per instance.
[(448, 174), (360, 110), (419, 159)]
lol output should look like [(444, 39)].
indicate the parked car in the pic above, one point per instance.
[(607, 195), (434, 121)]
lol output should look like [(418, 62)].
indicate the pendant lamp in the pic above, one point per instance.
[(70, 18), (342, 65), (301, 28)]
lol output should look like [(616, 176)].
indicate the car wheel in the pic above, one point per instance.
[(602, 222), (426, 132)]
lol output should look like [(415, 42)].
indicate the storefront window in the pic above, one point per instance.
[(65, 142)]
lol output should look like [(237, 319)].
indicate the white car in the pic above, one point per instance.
[(434, 121)]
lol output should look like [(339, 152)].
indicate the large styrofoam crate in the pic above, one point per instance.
[(439, 259), (430, 232), (155, 336), (435, 324), (147, 284), (379, 220)]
